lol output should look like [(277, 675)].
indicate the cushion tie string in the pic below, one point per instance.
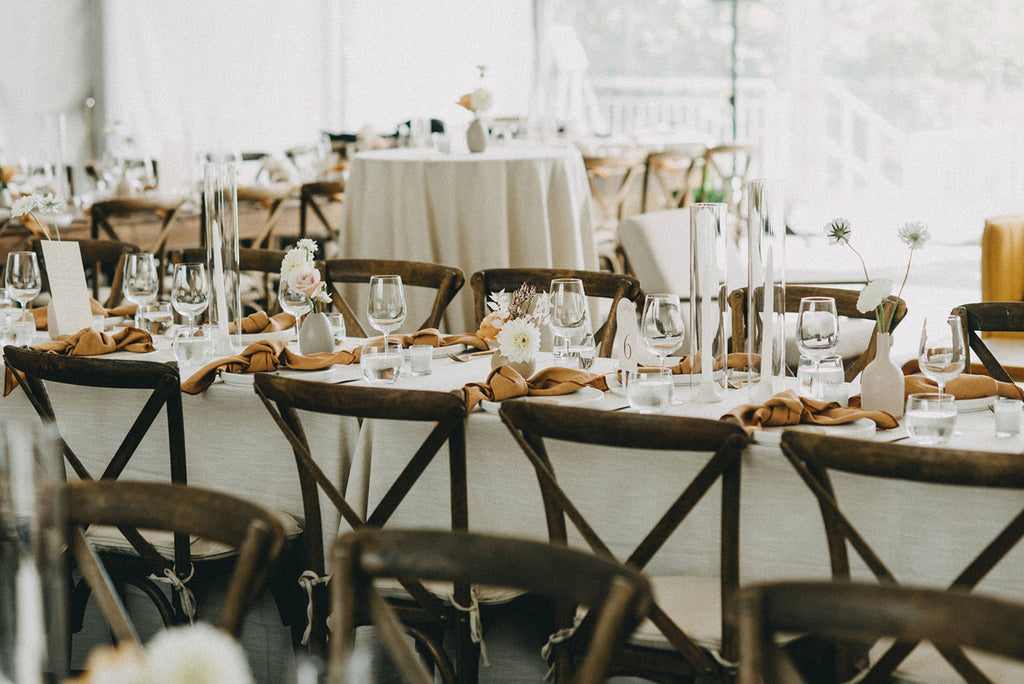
[(307, 580), (476, 627), (557, 638), (185, 595)]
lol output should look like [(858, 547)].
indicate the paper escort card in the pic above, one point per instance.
[(69, 310), (627, 338)]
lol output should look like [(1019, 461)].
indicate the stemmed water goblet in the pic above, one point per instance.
[(292, 301), (22, 278), (141, 281), (662, 325), (386, 305), (941, 354), (567, 314), (190, 291), (817, 332)]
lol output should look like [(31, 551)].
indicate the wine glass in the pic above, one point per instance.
[(662, 325), (141, 280), (941, 354), (292, 301), (190, 291), (817, 330), (386, 306), (22, 277), (568, 310)]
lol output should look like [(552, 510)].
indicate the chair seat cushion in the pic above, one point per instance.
[(486, 595), (108, 539), (693, 602), (925, 665)]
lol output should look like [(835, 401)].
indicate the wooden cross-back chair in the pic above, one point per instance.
[(728, 168), (310, 197), (600, 284), (426, 616), (816, 457), (265, 264), (981, 317), (846, 306), (617, 595), (101, 259), (446, 281), (33, 370), (716, 446), (670, 176), (867, 612), (104, 212), (255, 532)]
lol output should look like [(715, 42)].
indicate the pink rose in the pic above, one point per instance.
[(307, 282)]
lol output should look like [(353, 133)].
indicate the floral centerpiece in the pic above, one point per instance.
[(477, 101), (29, 204), (198, 654), (513, 325), (877, 293), (299, 272)]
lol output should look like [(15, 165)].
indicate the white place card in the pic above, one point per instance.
[(70, 310), (627, 336)]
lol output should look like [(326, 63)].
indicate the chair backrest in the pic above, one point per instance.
[(727, 168), (949, 619), (34, 368), (618, 595), (846, 306), (600, 284), (104, 211), (100, 258), (266, 262), (285, 397), (983, 317), (671, 174), (611, 179), (254, 531), (309, 193), (445, 280), (815, 457), (717, 444), (657, 247)]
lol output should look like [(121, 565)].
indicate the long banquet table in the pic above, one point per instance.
[(506, 206)]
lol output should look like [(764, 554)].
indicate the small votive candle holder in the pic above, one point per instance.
[(420, 357), (1009, 416)]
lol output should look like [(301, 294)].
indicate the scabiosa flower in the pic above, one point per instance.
[(914, 234), (838, 230)]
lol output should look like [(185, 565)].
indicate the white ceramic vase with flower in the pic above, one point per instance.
[(513, 326), (299, 272), (477, 101), (882, 387)]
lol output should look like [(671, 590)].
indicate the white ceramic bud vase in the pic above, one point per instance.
[(881, 383), (524, 368), (316, 334), (476, 136)]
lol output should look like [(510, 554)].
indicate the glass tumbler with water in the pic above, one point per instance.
[(817, 329), (649, 390), (381, 364), (930, 418)]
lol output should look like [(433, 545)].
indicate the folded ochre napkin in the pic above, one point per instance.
[(505, 383), (39, 313), (434, 338), (265, 355), (735, 361), (964, 387), (88, 342), (787, 408), (260, 322)]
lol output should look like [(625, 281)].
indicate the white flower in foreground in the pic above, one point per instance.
[(480, 100), (200, 654), (873, 295), (24, 205), (519, 340), (307, 244), (914, 234), (838, 230)]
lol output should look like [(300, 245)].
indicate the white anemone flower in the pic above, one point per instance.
[(519, 340), (51, 203), (914, 234), (480, 100), (199, 654), (24, 205), (873, 294)]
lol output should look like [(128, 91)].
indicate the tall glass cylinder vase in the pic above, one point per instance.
[(33, 578), (766, 289), (220, 194), (708, 301)]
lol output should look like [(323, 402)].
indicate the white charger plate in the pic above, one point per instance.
[(581, 397), (286, 335), (246, 379), (441, 352), (972, 405), (862, 428)]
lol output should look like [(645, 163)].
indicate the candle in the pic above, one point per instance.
[(30, 646), (219, 288), (767, 322), (709, 312)]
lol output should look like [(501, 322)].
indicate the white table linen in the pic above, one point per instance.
[(508, 206)]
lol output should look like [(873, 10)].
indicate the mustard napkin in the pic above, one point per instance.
[(506, 383), (964, 387), (787, 408), (260, 322), (735, 361), (434, 338)]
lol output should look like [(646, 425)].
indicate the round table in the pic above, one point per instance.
[(508, 206)]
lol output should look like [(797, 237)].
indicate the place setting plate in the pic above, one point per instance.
[(973, 405), (862, 428), (678, 379), (581, 397), (246, 379), (286, 335)]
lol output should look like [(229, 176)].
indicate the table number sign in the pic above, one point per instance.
[(69, 310), (627, 336)]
